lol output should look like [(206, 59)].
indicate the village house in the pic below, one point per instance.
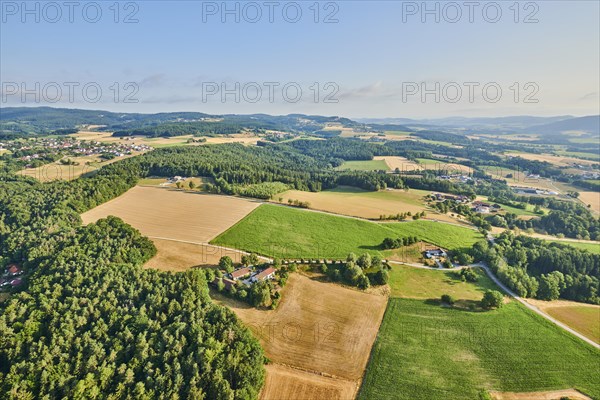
[(268, 273), (240, 273), (435, 253), (481, 207), (13, 270)]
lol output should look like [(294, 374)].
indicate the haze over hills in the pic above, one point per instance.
[(62, 118), (512, 122), (589, 124)]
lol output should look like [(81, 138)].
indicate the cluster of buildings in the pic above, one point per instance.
[(457, 178), (38, 147), (529, 190), (11, 277), (175, 179), (248, 276), (485, 208), (590, 175)]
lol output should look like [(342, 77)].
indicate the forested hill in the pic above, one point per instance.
[(25, 121), (92, 323)]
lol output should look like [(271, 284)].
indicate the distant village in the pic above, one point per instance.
[(40, 148)]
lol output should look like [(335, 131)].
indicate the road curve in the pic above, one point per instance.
[(534, 308)]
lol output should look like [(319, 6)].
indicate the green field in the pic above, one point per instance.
[(420, 283), (591, 247), (372, 165), (425, 351), (528, 211), (287, 232), (583, 156)]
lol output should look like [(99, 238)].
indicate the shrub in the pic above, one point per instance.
[(447, 299), (492, 299)]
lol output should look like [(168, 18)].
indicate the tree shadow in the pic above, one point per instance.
[(365, 247), (472, 306)]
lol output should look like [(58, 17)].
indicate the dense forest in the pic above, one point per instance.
[(108, 328), (235, 169)]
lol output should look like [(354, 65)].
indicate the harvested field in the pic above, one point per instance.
[(173, 214), (403, 164), (570, 394), (290, 383), (58, 171), (558, 161), (164, 141), (582, 317), (592, 199), (321, 328), (178, 256), (248, 140), (452, 168), (365, 204)]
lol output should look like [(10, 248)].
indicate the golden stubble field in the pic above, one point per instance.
[(370, 205), (318, 339), (57, 171), (106, 137), (177, 256), (172, 214), (592, 199), (558, 161), (582, 317)]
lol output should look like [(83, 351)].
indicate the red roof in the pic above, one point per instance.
[(240, 272), (265, 273), (13, 269)]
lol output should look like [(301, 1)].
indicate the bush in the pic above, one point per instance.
[(226, 263), (492, 299), (364, 261), (363, 282), (468, 275), (447, 299)]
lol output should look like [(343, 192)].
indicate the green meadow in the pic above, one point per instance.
[(288, 232), (425, 351)]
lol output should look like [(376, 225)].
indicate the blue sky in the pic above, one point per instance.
[(377, 60)]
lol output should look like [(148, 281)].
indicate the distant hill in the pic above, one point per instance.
[(589, 124), (513, 122), (23, 121)]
